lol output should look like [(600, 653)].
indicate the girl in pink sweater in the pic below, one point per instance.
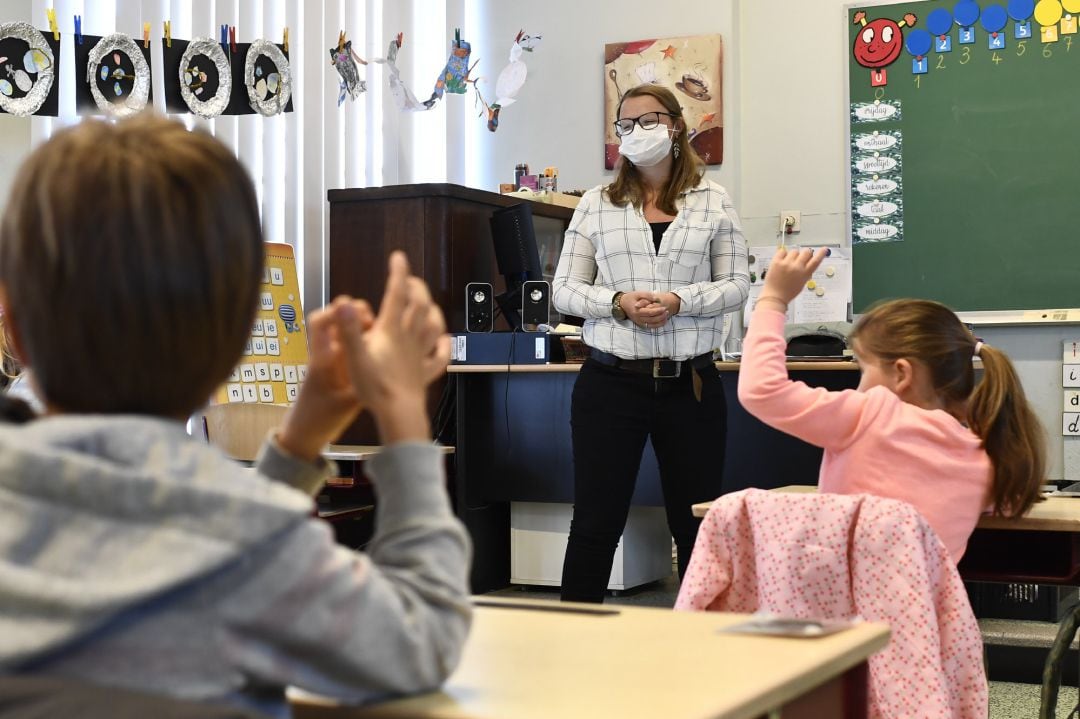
[(918, 428)]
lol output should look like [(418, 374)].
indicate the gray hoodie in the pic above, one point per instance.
[(134, 555)]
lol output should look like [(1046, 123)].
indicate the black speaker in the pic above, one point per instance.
[(478, 307), (535, 300)]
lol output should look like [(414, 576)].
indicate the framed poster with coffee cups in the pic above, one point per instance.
[(691, 67)]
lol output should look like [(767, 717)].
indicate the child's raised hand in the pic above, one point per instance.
[(789, 271), (327, 403), (392, 362)]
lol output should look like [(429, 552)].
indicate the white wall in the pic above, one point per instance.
[(558, 118)]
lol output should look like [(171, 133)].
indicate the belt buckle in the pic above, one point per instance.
[(666, 369)]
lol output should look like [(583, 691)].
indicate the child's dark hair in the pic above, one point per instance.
[(996, 409), (130, 256)]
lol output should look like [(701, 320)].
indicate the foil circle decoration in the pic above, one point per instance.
[(140, 91), (275, 104), (215, 105), (39, 91)]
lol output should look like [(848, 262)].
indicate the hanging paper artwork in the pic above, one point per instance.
[(111, 74), (268, 78), (403, 97), (878, 44), (27, 69), (118, 76), (205, 77), (455, 76), (344, 59), (691, 67), (512, 77), (510, 80)]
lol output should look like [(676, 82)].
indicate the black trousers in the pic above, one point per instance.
[(612, 413)]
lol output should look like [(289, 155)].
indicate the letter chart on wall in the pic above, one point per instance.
[(274, 362)]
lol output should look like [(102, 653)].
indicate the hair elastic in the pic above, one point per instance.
[(978, 347)]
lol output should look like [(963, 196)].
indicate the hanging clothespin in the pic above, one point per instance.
[(168, 33), (225, 38), (51, 14), (285, 41), (78, 29), (232, 38), (146, 34)]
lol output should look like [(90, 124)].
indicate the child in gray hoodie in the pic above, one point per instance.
[(131, 554)]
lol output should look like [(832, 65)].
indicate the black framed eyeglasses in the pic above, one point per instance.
[(647, 121)]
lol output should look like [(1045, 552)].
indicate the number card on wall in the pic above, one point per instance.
[(274, 362)]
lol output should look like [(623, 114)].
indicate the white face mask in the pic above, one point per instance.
[(646, 148)]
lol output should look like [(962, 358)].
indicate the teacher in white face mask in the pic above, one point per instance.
[(652, 261)]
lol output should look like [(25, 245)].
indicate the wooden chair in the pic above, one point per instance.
[(239, 429)]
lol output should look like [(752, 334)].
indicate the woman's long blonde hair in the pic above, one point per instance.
[(687, 169), (996, 409)]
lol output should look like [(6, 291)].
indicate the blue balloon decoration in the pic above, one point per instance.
[(939, 21), (918, 42), (1021, 10), (994, 18), (966, 13)]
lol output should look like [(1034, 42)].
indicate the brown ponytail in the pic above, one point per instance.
[(996, 410), (1001, 415)]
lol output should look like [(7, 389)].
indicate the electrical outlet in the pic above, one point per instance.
[(792, 218)]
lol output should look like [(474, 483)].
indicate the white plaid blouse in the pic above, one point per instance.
[(702, 259)]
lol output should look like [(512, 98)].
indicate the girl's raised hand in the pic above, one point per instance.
[(789, 272)]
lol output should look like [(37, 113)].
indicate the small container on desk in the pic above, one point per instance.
[(574, 349)]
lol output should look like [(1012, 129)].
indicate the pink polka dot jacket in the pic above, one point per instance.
[(844, 556)]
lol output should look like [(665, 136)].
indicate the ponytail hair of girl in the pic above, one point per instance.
[(996, 410), (1000, 414)]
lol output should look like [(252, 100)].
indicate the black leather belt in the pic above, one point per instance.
[(659, 368)]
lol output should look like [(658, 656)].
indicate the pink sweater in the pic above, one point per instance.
[(874, 442)]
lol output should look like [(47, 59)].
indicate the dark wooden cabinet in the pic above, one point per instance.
[(442, 228)]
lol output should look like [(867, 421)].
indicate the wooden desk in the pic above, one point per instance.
[(637, 662), (360, 452), (1054, 514), (576, 366), (1042, 547)]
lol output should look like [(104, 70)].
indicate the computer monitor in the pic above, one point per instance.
[(516, 256)]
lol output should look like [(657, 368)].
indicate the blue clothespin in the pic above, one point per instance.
[(225, 38), (78, 29)]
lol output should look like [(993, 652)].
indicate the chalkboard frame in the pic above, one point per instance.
[(1003, 313)]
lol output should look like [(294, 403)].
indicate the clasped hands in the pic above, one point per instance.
[(382, 363), (650, 310)]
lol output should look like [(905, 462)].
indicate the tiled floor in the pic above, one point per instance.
[(1007, 700), (1021, 701)]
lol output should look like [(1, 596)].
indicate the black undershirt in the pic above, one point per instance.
[(658, 229)]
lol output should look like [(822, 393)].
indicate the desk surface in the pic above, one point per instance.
[(832, 366), (641, 662), (1054, 514), (360, 452)]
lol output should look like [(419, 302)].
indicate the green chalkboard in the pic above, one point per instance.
[(988, 161)]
